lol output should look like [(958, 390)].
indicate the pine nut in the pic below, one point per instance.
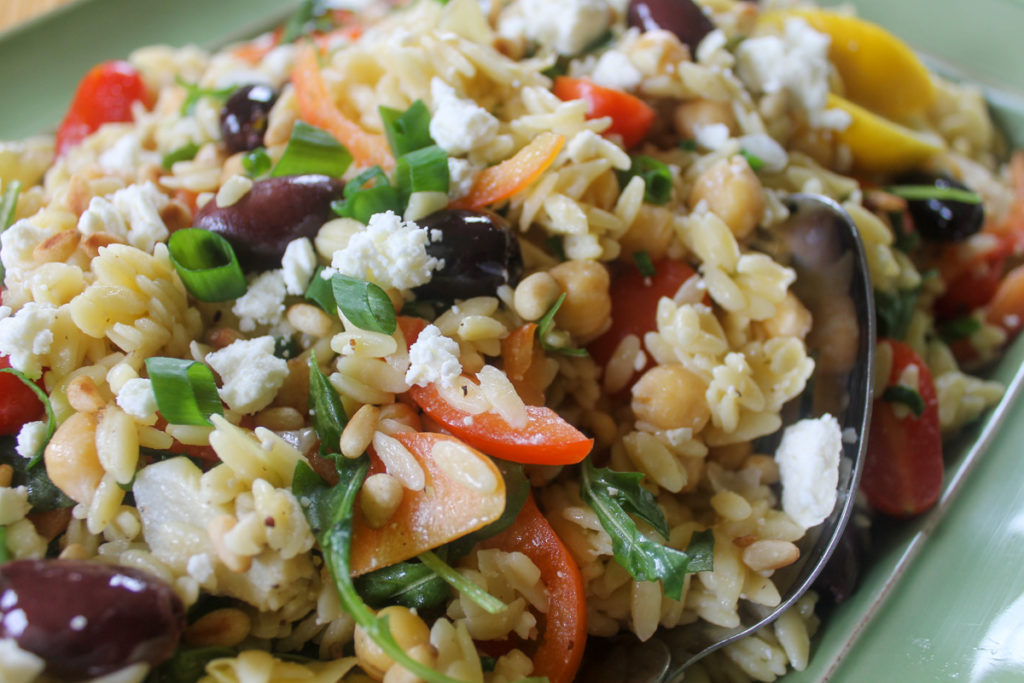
[(380, 497)]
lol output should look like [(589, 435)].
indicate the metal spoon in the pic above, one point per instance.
[(820, 242)]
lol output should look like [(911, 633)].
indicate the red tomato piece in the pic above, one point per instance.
[(105, 95), (564, 632), (18, 403), (631, 117), (1006, 307), (903, 470), (972, 282), (546, 439)]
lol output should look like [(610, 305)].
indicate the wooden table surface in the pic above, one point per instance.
[(13, 12)]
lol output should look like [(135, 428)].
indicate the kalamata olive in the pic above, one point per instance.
[(273, 213), (943, 220), (684, 18), (87, 619), (840, 575), (480, 253), (243, 119)]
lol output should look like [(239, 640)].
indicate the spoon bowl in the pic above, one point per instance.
[(821, 243)]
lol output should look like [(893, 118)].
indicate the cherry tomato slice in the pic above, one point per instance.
[(18, 403), (105, 95), (631, 117)]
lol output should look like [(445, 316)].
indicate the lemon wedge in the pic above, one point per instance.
[(879, 71), (880, 145)]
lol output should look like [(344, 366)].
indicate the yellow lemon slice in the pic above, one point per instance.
[(880, 145), (879, 70)]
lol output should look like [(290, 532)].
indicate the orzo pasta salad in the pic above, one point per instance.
[(438, 341)]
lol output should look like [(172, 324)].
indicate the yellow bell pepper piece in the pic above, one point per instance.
[(880, 145)]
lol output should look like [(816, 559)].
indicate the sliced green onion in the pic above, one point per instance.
[(925, 192), (407, 131), (364, 304), (185, 390), (425, 170), (321, 293), (657, 178), (194, 93), (325, 408), (207, 264), (312, 150), (907, 396), (364, 204), (186, 152), (644, 264), (8, 205), (755, 162), (51, 418), (257, 162), (959, 328), (470, 590)]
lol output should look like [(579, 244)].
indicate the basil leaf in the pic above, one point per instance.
[(188, 664), (312, 150), (186, 152), (325, 408), (43, 495), (644, 264), (257, 162), (409, 584), (645, 560), (911, 398), (470, 590), (185, 390), (407, 131), (51, 419), (365, 304), (321, 293), (329, 510), (894, 310)]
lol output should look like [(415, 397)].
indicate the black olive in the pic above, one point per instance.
[(87, 619), (243, 119), (839, 577), (943, 220), (684, 18), (480, 254), (273, 213)]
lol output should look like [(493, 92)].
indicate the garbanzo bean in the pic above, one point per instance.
[(689, 116), (733, 193), (424, 654), (586, 311), (670, 397), (71, 458), (409, 631), (791, 319)]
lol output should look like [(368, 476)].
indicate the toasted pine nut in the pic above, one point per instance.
[(358, 433), (309, 319), (71, 458), (84, 396), (6, 474), (92, 244), (399, 462), (225, 627), (57, 247), (217, 528), (380, 497), (279, 418), (464, 466), (74, 551)]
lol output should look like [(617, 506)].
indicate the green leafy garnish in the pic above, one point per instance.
[(911, 398), (473, 592), (8, 205), (409, 130), (904, 239), (4, 554), (424, 170), (688, 145), (755, 162), (657, 178), (257, 162), (329, 510), (644, 264), (926, 192), (614, 496), (894, 311), (312, 15), (186, 152), (367, 194), (325, 408), (188, 664), (312, 150), (43, 495), (207, 265), (321, 293), (194, 93), (409, 584), (959, 328), (364, 304), (185, 390), (544, 325)]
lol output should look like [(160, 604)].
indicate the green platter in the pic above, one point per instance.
[(944, 596)]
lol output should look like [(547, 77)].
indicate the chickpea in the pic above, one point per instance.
[(586, 311), (689, 116), (409, 631), (836, 336), (670, 397), (652, 231), (424, 654), (535, 294), (733, 192), (791, 319), (71, 458)]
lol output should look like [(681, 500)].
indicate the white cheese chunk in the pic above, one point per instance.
[(27, 335), (615, 70), (458, 125), (390, 252), (131, 214), (16, 245), (433, 358), (251, 373), (567, 26), (808, 459), (461, 174), (298, 263), (136, 398), (262, 303), (30, 438)]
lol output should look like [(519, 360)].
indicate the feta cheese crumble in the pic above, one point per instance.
[(262, 303), (458, 125), (26, 336), (137, 399), (131, 214), (615, 70), (461, 174), (299, 263), (30, 438), (808, 459), (390, 252), (251, 373), (433, 358), (568, 26)]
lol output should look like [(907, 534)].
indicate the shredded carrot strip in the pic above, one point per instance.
[(317, 108), (515, 173)]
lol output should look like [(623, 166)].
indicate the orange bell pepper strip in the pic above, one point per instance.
[(564, 634), (513, 175), (317, 108), (524, 363)]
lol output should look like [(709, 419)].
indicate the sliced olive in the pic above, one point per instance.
[(243, 119), (684, 18), (480, 254), (943, 220), (87, 619), (273, 213)]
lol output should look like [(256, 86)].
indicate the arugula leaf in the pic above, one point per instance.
[(326, 410), (613, 496), (644, 264), (410, 584), (544, 325), (51, 419), (365, 304), (328, 510), (194, 93), (320, 292), (478, 595), (894, 311), (43, 495), (911, 398)]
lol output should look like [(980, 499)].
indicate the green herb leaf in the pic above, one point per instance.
[(544, 325), (194, 93), (303, 20), (926, 192), (8, 205), (188, 664), (326, 410), (43, 495), (755, 162), (644, 264), (657, 178), (470, 590), (894, 311), (312, 150), (613, 496), (409, 584), (425, 170), (555, 246), (905, 240), (185, 390), (329, 513), (517, 490), (364, 304), (257, 163), (364, 204), (51, 419), (186, 152), (207, 265), (321, 293), (409, 130), (911, 398), (959, 328), (688, 145)]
